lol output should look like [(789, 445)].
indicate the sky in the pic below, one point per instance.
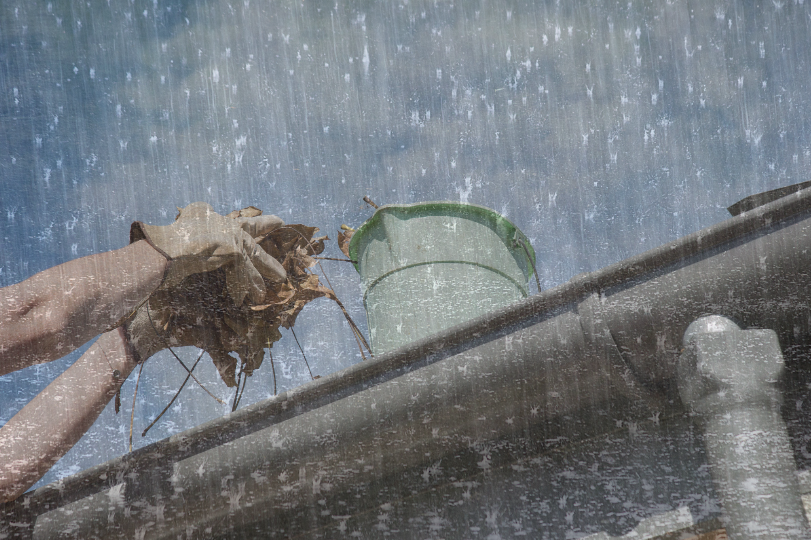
[(601, 129)]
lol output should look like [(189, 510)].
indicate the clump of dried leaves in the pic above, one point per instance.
[(221, 327)]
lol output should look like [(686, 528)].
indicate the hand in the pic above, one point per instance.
[(196, 312), (201, 240)]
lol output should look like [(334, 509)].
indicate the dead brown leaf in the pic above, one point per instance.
[(220, 327), (343, 241)]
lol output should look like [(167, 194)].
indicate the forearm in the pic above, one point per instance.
[(47, 427), (55, 311)]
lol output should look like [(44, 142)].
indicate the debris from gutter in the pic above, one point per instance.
[(220, 327)]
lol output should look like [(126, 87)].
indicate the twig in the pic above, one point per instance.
[(236, 393), (242, 392), (334, 259), (134, 395), (356, 332), (302, 354), (357, 340), (188, 376), (273, 369), (221, 402), (369, 201), (358, 335)]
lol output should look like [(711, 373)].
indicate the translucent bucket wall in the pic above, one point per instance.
[(428, 266)]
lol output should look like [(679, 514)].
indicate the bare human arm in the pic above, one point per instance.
[(50, 424), (57, 310), (53, 312), (49, 315)]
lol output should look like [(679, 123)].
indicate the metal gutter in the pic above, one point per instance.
[(597, 312)]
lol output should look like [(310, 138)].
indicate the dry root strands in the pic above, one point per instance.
[(214, 323)]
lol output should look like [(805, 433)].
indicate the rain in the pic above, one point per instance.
[(600, 129)]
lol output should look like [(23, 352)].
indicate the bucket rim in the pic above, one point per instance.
[(513, 231)]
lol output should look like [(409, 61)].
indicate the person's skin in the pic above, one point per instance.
[(55, 311), (47, 316), (59, 309), (50, 424)]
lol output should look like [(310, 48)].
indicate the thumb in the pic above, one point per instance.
[(260, 261), (260, 225), (196, 210), (268, 266)]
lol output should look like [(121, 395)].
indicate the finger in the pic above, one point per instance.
[(264, 263), (250, 274), (241, 279), (260, 225), (196, 210), (256, 285), (235, 285)]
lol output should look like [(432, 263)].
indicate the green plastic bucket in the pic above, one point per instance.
[(428, 266)]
